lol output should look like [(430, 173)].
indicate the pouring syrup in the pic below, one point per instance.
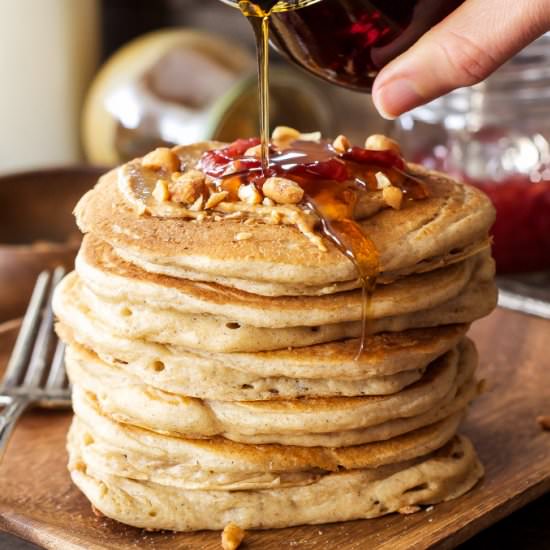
[(331, 181)]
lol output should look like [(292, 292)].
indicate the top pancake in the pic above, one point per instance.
[(453, 218)]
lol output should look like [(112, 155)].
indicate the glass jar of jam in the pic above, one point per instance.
[(496, 135)]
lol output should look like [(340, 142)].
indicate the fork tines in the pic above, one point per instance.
[(36, 370)]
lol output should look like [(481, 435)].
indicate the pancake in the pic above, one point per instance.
[(109, 277), (279, 289), (177, 470), (363, 493), (306, 416), (213, 358), (451, 219), (127, 400), (142, 321), (465, 394), (384, 354), (217, 454), (231, 384)]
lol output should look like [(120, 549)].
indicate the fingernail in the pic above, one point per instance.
[(396, 97)]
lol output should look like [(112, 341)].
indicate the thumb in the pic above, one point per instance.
[(462, 50)]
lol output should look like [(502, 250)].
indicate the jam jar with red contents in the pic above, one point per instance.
[(496, 135)]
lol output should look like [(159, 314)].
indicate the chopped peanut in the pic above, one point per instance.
[(283, 136), (255, 151), (409, 509), (268, 202), (275, 218), (162, 157), (197, 205), (242, 236), (379, 142), (393, 196), (215, 198), (249, 194), (188, 187), (232, 536), (341, 144), (382, 181), (311, 136), (282, 190), (161, 192)]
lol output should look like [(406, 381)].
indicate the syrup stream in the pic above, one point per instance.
[(261, 30), (336, 215)]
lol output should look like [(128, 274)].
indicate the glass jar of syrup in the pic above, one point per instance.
[(347, 42), (496, 135)]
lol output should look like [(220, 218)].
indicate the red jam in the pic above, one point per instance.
[(521, 233), (312, 161), (522, 228)]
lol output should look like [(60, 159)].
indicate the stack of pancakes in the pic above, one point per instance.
[(216, 379)]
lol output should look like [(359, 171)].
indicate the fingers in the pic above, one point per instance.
[(462, 50)]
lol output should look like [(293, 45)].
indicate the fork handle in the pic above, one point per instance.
[(8, 419)]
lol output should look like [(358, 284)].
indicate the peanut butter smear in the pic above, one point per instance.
[(317, 186)]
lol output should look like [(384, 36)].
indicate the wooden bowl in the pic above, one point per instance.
[(37, 228)]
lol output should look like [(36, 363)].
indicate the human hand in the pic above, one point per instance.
[(467, 46)]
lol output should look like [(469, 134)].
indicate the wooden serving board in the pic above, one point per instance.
[(39, 503)]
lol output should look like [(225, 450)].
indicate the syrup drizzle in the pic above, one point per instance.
[(331, 182), (257, 12)]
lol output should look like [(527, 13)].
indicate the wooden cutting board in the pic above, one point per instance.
[(38, 502)]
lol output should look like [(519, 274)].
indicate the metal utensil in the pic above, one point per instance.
[(31, 378)]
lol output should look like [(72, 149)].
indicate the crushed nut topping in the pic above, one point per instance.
[(311, 136), (341, 144), (243, 236), (409, 509), (215, 198), (249, 194), (188, 187), (161, 158), (228, 183), (197, 205), (382, 181), (393, 196), (161, 193), (283, 190), (379, 142), (283, 136), (232, 536)]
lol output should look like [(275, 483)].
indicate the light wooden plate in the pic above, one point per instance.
[(39, 503)]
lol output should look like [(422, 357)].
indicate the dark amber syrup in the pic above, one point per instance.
[(333, 183)]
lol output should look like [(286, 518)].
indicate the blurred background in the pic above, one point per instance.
[(102, 81), (193, 80)]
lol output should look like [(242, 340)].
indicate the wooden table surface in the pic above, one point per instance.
[(38, 502)]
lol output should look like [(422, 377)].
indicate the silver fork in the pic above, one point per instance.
[(30, 378)]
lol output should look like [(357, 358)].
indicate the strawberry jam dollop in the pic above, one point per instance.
[(311, 161)]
